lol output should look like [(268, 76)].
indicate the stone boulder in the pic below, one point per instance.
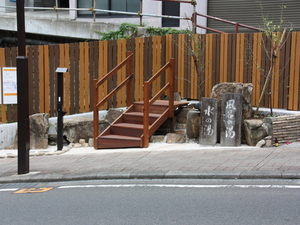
[(39, 127), (81, 128), (255, 130), (113, 114), (175, 138), (245, 89)]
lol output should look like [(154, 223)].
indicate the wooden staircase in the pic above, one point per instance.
[(135, 126), (127, 130)]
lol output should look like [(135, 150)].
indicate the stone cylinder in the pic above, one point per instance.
[(193, 124)]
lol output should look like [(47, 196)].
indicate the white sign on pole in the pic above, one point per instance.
[(9, 84)]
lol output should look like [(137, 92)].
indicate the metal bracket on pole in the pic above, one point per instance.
[(60, 99)]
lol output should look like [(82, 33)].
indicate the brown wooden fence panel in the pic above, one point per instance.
[(222, 58)]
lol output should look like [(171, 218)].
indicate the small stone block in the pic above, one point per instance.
[(77, 145), (91, 142), (81, 141)]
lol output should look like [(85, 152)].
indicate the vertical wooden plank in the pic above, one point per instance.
[(202, 65), (177, 62), (223, 58), (208, 59), (36, 80), (112, 62), (154, 64), (67, 78), (2, 57), (130, 46), (275, 81), (138, 96), (266, 61), (121, 75), (256, 59), (231, 57), (103, 70), (248, 49), (187, 66), (77, 75), (86, 78), (2, 64), (65, 62), (216, 61), (30, 78), (194, 81), (10, 60), (158, 57), (72, 74), (237, 58), (239, 63), (46, 79), (163, 58), (96, 69), (296, 93), (56, 64), (41, 72), (180, 66), (82, 75), (286, 75), (292, 70)]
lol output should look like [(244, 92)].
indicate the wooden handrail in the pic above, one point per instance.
[(97, 83), (148, 102), (114, 70), (114, 91)]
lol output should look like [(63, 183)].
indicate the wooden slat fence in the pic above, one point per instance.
[(220, 58)]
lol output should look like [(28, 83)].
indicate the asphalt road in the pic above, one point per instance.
[(152, 202)]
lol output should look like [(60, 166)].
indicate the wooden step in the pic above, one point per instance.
[(138, 117), (128, 129), (138, 107), (118, 141), (159, 106)]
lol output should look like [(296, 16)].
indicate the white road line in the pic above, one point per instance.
[(180, 186), (9, 189)]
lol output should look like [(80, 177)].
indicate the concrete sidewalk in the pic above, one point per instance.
[(159, 161)]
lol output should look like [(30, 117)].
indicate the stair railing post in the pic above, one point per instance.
[(129, 85), (171, 99), (95, 113), (146, 115)]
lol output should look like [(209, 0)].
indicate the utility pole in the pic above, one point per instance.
[(22, 89)]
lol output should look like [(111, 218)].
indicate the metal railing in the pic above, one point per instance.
[(94, 11), (237, 25)]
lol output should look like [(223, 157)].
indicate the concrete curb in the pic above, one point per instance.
[(34, 177)]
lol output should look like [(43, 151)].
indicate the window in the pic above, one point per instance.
[(117, 5), (170, 9)]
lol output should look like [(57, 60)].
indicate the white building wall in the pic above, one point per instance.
[(67, 24), (154, 8)]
